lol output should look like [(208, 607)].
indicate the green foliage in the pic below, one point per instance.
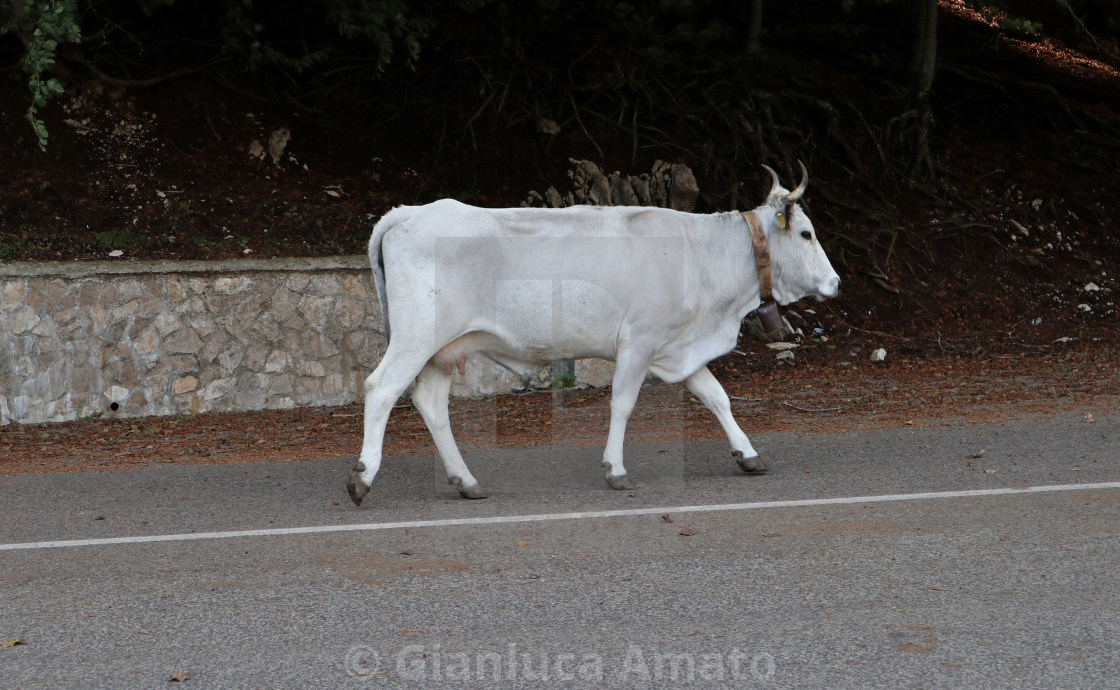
[(12, 248), (383, 24), (1001, 14), (1020, 26), (118, 238), (42, 25), (563, 381), (262, 34)]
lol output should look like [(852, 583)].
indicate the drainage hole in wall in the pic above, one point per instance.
[(114, 406)]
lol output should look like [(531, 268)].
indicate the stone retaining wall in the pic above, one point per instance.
[(161, 338)]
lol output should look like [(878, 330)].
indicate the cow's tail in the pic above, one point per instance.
[(377, 261)]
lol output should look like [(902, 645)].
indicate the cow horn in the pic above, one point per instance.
[(800, 189), (775, 185)]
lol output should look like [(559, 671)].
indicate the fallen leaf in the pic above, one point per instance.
[(912, 647), (12, 642), (981, 454), (666, 518), (989, 471), (522, 543), (688, 532), (178, 677), (1089, 418)]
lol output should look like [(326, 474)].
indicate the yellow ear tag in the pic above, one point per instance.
[(781, 220)]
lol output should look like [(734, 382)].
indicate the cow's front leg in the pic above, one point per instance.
[(627, 382), (704, 386)]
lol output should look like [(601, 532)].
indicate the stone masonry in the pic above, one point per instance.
[(164, 338)]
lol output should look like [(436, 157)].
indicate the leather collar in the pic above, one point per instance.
[(761, 253)]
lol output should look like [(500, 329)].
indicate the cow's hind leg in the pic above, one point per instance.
[(705, 387), (430, 397), (627, 382), (382, 389)]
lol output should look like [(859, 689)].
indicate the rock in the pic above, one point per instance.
[(218, 388), (277, 361), (785, 355), (228, 285), (356, 287), (879, 355), (147, 342), (315, 310), (16, 293), (552, 198), (622, 192), (277, 142), (666, 185), (1091, 287), (311, 369), (183, 341), (349, 313), (23, 320), (683, 190), (117, 394), (183, 385), (547, 126)]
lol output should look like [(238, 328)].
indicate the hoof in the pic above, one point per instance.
[(622, 483), (750, 465), (473, 492), (357, 489)]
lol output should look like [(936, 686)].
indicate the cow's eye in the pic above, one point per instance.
[(806, 234)]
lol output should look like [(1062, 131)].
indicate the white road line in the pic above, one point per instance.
[(546, 517)]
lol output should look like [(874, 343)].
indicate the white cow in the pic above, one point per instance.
[(651, 289)]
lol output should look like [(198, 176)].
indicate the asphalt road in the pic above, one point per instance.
[(803, 578)]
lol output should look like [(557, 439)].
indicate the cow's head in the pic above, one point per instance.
[(798, 263)]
